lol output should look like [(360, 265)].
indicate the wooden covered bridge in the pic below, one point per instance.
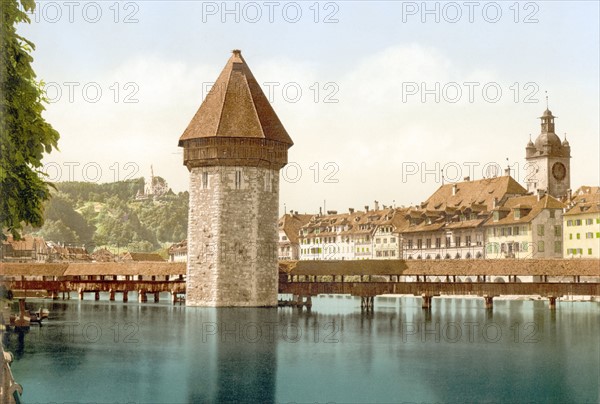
[(145, 278), (551, 278)]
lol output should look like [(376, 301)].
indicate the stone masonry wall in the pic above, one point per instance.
[(232, 237)]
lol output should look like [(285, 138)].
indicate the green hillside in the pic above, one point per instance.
[(108, 214)]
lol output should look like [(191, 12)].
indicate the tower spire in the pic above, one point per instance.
[(547, 99)]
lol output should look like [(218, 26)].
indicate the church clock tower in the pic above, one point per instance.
[(548, 161)]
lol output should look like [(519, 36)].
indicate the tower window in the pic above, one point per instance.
[(238, 179), (268, 181), (205, 180)]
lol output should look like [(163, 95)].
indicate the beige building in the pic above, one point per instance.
[(387, 238), (178, 252), (581, 223), (289, 231), (528, 226), (449, 225)]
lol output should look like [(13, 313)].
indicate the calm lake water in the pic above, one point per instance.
[(145, 352)]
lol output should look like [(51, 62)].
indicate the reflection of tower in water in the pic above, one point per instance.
[(240, 357)]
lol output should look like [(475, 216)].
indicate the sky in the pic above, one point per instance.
[(379, 97)]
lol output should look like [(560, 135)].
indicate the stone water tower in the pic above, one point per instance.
[(234, 147)]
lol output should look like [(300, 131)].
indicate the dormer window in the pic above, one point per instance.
[(517, 214), (496, 216)]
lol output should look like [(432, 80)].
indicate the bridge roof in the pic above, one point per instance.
[(550, 267), (97, 268)]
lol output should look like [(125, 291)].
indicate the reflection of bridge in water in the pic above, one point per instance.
[(551, 278)]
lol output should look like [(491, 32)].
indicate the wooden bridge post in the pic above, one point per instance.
[(111, 295), (142, 298), (426, 301), (97, 296), (173, 297), (156, 297), (125, 298), (80, 292), (367, 303), (552, 302), (489, 301)]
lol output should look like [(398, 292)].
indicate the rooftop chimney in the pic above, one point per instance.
[(320, 211), (454, 189), (495, 203), (540, 194), (467, 178), (351, 210), (366, 208), (507, 171), (376, 205)]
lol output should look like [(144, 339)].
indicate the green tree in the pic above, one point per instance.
[(24, 134), (57, 231)]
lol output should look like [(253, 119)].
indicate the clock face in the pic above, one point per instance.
[(559, 171)]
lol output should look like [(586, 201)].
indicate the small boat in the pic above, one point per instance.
[(25, 317)]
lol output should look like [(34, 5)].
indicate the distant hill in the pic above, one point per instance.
[(109, 215)]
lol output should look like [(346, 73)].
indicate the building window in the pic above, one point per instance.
[(428, 243), (419, 244), (540, 246), (540, 229), (238, 179), (516, 247), (468, 241), (569, 223), (557, 231), (448, 241), (589, 251), (552, 215), (204, 180), (570, 236), (557, 246), (392, 239), (589, 235), (409, 244), (517, 213), (438, 242), (589, 221), (509, 231), (597, 235), (516, 230), (457, 239), (578, 222), (578, 236)]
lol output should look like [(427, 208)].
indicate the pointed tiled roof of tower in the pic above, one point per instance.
[(236, 107)]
